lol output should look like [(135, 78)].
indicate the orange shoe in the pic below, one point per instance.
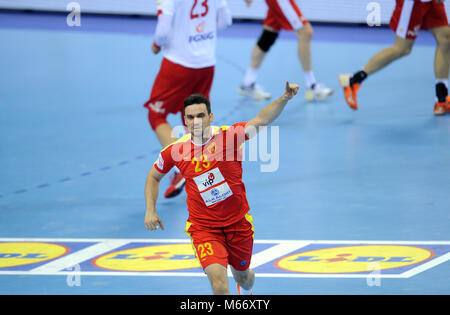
[(442, 108), (176, 186), (239, 290), (448, 104), (350, 91)]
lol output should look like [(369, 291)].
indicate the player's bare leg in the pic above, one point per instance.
[(401, 48), (257, 57), (352, 83), (314, 91), (244, 279), (217, 275), (164, 133), (442, 57), (249, 86), (304, 36), (441, 68)]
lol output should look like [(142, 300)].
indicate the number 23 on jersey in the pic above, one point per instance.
[(202, 164), (205, 250), (199, 9)]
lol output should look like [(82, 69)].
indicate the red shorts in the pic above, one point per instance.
[(173, 84), (232, 244), (284, 15), (410, 16)]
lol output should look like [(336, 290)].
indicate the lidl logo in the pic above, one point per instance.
[(354, 259), (25, 253), (324, 259), (150, 258)]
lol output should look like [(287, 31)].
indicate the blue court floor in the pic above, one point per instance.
[(357, 202)]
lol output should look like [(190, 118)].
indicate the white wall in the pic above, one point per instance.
[(350, 11)]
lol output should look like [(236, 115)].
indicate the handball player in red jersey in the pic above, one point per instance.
[(209, 158)]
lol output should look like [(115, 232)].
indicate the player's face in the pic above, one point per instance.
[(198, 120)]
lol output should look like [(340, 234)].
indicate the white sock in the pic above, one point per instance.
[(310, 79), (445, 81), (250, 76)]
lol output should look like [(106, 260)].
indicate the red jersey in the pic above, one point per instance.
[(213, 172)]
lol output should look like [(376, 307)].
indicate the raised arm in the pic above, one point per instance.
[(268, 114), (152, 221)]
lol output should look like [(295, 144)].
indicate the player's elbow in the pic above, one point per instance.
[(262, 124), (262, 121), (254, 126), (154, 176)]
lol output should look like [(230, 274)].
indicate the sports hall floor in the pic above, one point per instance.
[(359, 202)]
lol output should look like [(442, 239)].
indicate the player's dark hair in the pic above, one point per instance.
[(197, 99)]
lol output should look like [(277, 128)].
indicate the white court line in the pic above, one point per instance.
[(428, 265), (272, 253), (330, 275), (150, 240), (79, 256), (275, 252)]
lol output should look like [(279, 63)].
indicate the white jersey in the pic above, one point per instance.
[(192, 38)]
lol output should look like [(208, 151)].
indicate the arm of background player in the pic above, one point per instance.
[(151, 195), (224, 18), (162, 32), (165, 11), (268, 114)]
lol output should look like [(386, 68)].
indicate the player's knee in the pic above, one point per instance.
[(305, 33), (444, 38), (266, 40), (219, 285), (247, 280), (405, 51), (402, 51)]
